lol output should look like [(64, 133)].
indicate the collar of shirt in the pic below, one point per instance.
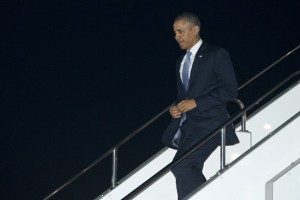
[(193, 50)]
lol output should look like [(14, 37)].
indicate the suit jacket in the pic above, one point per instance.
[(212, 84)]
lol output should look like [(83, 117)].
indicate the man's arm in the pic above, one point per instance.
[(227, 86), (227, 89)]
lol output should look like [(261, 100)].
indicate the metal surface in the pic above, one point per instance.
[(114, 168), (223, 148), (283, 183), (204, 141), (243, 118), (248, 184)]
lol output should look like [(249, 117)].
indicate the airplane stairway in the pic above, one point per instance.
[(275, 139), (264, 165)]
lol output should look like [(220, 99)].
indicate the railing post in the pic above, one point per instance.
[(243, 126), (243, 118), (223, 144), (114, 167)]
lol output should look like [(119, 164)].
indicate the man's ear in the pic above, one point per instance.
[(196, 30)]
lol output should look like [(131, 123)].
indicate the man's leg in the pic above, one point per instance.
[(188, 173)]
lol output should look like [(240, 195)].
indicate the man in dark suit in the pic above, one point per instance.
[(206, 82)]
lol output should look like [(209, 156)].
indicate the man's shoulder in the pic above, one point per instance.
[(213, 48)]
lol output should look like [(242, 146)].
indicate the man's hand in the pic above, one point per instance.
[(186, 105), (175, 113), (182, 107)]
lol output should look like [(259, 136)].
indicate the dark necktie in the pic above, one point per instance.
[(185, 70)]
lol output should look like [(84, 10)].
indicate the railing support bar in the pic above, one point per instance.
[(223, 151), (243, 117), (243, 125), (114, 168)]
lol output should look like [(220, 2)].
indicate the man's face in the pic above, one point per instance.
[(186, 34)]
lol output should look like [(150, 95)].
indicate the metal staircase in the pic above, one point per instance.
[(279, 114)]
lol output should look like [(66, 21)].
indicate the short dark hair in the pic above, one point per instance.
[(189, 17)]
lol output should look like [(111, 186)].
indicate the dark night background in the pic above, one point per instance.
[(79, 76)]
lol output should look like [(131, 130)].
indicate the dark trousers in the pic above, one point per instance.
[(188, 172)]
